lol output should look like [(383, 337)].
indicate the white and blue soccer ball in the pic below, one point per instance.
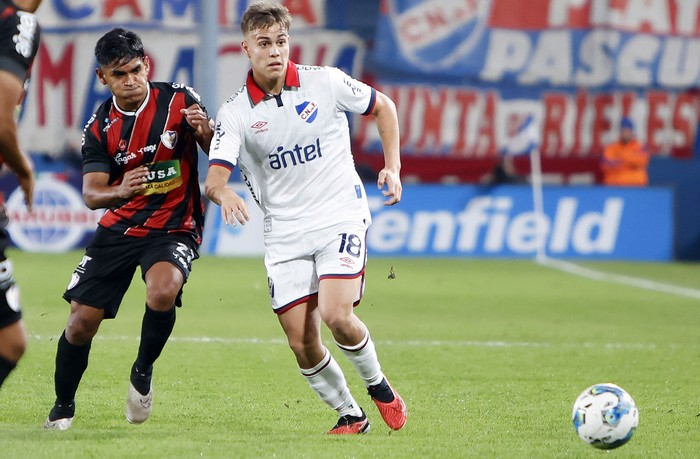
[(605, 416)]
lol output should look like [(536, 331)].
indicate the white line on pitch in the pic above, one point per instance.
[(411, 343), (601, 276)]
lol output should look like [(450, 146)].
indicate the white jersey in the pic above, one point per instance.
[(294, 148)]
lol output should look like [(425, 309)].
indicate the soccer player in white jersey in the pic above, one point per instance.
[(288, 132)]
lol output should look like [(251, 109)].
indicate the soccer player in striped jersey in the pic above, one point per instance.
[(19, 42), (140, 163), (287, 130)]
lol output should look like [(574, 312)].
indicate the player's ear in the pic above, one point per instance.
[(244, 45), (100, 75), (147, 63)]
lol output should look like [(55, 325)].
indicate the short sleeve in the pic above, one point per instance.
[(226, 144), (95, 157), (191, 97), (351, 95)]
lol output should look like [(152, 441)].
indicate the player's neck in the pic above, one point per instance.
[(128, 106), (270, 86)]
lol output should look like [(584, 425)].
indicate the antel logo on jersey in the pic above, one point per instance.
[(296, 155), (58, 221), (307, 111)]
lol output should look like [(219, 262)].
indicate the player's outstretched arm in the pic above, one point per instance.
[(233, 207), (388, 128), (10, 92)]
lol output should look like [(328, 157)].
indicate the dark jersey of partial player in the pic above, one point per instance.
[(156, 135), (19, 43), (19, 40)]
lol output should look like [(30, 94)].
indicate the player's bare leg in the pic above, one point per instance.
[(302, 325), (336, 298), (13, 336), (13, 343)]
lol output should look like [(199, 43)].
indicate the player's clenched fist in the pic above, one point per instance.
[(134, 182)]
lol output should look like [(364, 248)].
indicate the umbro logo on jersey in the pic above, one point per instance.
[(259, 126), (307, 111)]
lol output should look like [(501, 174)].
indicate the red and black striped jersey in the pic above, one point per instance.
[(156, 135)]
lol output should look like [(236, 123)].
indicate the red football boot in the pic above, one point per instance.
[(390, 404), (351, 425)]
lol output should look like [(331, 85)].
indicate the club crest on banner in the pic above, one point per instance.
[(434, 34)]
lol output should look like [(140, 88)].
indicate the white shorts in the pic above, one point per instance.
[(297, 262)]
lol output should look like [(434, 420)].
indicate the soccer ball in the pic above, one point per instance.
[(605, 416)]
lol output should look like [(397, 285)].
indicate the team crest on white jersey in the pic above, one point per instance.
[(307, 111), (169, 138)]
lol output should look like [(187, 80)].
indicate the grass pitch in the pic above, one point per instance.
[(489, 356)]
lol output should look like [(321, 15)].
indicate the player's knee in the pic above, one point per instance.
[(304, 345), (19, 348), (297, 345), (162, 296), (14, 348), (81, 328), (337, 321), (161, 299)]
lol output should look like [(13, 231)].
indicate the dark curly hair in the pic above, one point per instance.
[(118, 46)]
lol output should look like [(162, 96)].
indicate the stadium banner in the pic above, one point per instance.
[(461, 72), (64, 91), (74, 14), (59, 220), (597, 223), (478, 221)]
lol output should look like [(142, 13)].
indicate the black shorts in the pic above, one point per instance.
[(4, 235), (10, 311), (9, 306), (105, 272)]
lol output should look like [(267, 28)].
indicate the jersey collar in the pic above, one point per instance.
[(256, 93), (138, 110)]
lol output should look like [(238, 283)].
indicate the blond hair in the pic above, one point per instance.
[(263, 15)]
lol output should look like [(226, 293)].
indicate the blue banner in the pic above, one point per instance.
[(480, 221)]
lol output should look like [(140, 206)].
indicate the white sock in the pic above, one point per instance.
[(363, 357), (328, 381)]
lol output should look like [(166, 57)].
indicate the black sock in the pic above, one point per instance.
[(71, 362), (155, 331), (6, 366), (381, 392)]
